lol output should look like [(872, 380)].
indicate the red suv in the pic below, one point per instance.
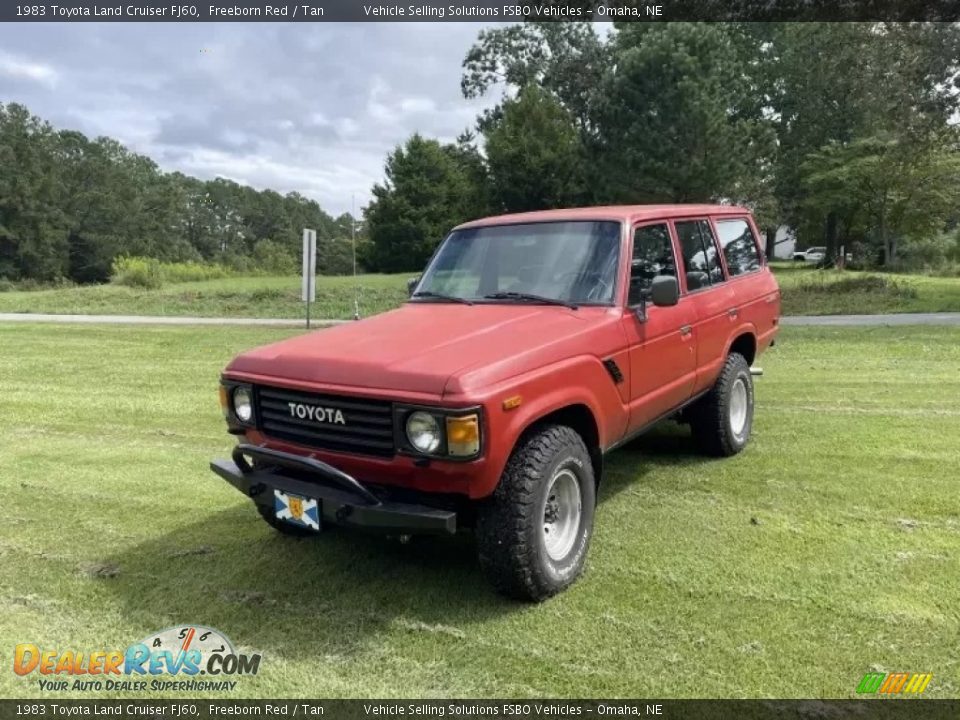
[(532, 345)]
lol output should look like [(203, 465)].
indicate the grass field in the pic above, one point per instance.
[(266, 297), (828, 548), (805, 292)]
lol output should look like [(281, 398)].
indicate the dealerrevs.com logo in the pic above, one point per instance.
[(186, 657)]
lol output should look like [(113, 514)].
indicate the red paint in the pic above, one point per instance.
[(454, 356)]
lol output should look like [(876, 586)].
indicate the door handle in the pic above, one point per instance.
[(733, 312), (685, 329)]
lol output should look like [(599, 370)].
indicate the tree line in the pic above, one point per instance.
[(71, 205), (846, 132)]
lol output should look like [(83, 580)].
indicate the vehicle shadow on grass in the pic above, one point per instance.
[(332, 594), (336, 593), (666, 443)]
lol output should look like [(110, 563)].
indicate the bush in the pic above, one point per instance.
[(925, 254), (192, 271), (137, 272), (151, 273), (272, 258), (869, 284)]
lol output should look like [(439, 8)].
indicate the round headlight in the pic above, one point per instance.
[(423, 431), (242, 404)]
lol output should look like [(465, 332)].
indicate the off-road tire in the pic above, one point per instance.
[(510, 524), (285, 528), (711, 419)]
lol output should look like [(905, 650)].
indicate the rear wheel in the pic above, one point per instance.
[(723, 418), (533, 534)]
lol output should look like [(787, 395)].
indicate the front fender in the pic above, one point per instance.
[(581, 380)]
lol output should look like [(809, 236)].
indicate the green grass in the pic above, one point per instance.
[(808, 291), (805, 292), (828, 548), (261, 297)]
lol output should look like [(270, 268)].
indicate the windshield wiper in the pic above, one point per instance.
[(440, 296), (529, 297)]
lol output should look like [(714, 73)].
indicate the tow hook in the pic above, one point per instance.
[(756, 372)]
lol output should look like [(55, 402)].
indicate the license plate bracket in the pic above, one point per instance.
[(297, 510)]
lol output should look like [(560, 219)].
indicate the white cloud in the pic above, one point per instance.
[(410, 106), (20, 69), (293, 107)]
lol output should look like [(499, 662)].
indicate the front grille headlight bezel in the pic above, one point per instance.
[(234, 419), (403, 413), (241, 402), (423, 431)]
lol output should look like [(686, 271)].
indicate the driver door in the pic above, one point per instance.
[(663, 349)]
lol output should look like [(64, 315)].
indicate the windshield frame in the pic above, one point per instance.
[(615, 300)]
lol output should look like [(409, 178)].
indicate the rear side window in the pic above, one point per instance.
[(701, 263), (652, 257), (738, 245)]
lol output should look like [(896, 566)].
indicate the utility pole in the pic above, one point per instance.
[(353, 240), (308, 287)]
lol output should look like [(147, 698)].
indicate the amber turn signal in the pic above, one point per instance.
[(463, 436), (512, 402), (223, 400)]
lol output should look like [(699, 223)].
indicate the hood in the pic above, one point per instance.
[(420, 346)]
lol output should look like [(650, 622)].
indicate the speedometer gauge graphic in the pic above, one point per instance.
[(182, 639)]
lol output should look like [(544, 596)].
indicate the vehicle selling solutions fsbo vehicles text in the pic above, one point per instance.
[(463, 11)]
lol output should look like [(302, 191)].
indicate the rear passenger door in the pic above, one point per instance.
[(662, 349), (754, 289), (710, 295)]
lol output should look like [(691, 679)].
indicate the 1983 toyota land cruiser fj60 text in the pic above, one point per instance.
[(532, 345)]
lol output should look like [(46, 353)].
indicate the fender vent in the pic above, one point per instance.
[(611, 365)]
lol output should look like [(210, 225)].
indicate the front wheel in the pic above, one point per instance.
[(723, 418), (533, 533)]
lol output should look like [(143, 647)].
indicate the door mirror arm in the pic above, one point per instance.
[(640, 310), (664, 292)]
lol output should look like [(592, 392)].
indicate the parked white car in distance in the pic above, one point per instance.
[(814, 254)]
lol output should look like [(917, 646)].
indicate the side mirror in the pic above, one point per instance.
[(665, 291), (411, 284)]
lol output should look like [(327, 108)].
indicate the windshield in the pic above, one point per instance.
[(570, 262)]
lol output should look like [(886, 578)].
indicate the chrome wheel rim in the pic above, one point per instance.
[(738, 407), (561, 514)]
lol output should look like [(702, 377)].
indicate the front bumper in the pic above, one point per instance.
[(343, 499)]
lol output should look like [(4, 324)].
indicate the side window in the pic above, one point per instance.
[(739, 246), (652, 256), (701, 264), (713, 254)]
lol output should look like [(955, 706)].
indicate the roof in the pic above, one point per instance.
[(620, 213)]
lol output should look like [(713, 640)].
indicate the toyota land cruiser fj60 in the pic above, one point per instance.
[(531, 346)]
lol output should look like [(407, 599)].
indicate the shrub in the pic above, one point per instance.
[(868, 284), (925, 254), (192, 271), (273, 258), (137, 272), (151, 273)]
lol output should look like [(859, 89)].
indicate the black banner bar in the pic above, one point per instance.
[(477, 10), (880, 709)]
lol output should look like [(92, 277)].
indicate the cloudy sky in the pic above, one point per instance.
[(306, 107)]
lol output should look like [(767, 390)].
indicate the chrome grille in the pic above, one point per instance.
[(367, 428)]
